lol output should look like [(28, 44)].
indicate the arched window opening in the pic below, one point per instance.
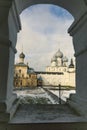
[(46, 45)]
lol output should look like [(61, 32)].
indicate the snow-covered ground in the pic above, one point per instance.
[(35, 96), (40, 96), (64, 93)]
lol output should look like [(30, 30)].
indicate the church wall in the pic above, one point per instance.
[(66, 73), (24, 79), (67, 79), (56, 69), (25, 82), (23, 71)]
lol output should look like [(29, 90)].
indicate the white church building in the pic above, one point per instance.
[(59, 71)]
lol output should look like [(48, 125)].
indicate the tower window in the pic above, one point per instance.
[(22, 75), (19, 71), (16, 75)]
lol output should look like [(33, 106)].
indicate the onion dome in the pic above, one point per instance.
[(22, 55), (59, 54), (53, 59), (65, 59), (40, 78)]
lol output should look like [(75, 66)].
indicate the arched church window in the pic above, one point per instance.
[(64, 70), (16, 75), (22, 75), (19, 71)]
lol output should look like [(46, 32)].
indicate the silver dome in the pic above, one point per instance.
[(22, 55), (54, 59), (59, 54), (65, 59)]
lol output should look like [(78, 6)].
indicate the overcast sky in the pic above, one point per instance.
[(44, 31)]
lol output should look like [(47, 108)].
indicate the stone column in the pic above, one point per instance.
[(79, 32), (6, 81), (9, 26)]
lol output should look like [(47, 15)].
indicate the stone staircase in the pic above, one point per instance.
[(46, 117)]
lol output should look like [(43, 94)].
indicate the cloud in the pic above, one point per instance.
[(43, 33)]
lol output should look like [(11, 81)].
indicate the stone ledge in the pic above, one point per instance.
[(49, 126), (46, 117), (5, 115), (77, 105), (28, 113)]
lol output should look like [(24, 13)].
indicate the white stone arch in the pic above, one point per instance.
[(10, 25)]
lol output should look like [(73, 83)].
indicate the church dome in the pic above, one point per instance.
[(22, 55), (71, 64), (65, 59), (53, 59), (59, 54)]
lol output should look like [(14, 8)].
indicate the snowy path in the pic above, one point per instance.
[(40, 96), (64, 93), (35, 95)]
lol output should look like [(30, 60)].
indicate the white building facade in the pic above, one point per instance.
[(59, 72)]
